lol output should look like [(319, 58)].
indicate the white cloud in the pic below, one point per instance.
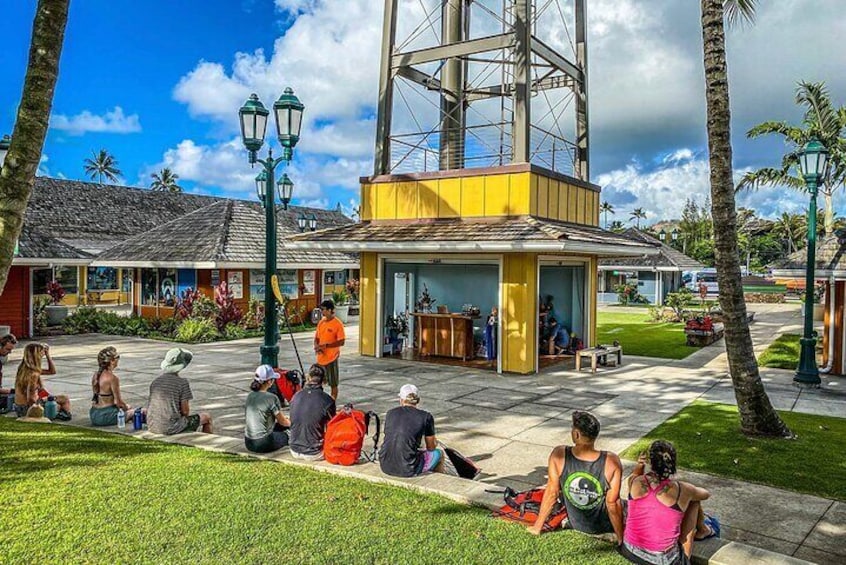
[(114, 121)]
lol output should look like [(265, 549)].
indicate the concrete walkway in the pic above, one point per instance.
[(508, 424)]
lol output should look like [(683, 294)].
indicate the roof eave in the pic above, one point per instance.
[(475, 246), (38, 261)]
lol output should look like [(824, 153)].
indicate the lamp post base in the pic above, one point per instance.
[(270, 355), (807, 374)]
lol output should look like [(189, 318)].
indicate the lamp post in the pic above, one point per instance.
[(812, 163), (302, 221), (662, 236), (312, 222), (288, 113), (4, 148)]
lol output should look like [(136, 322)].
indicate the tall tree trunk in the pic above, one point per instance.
[(18, 175), (828, 219), (757, 416)]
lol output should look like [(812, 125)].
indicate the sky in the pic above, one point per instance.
[(158, 84)]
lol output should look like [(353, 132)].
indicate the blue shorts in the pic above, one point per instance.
[(429, 461)]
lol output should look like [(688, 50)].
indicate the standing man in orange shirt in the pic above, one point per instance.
[(327, 344)]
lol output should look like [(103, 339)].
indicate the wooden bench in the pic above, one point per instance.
[(595, 353)]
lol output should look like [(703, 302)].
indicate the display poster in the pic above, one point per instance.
[(215, 277), (288, 276), (236, 284), (329, 277), (257, 284), (308, 282)]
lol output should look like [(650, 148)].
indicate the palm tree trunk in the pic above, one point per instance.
[(18, 174), (757, 416)]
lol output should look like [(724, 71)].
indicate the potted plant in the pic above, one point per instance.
[(352, 287), (424, 304), (397, 330), (56, 312), (342, 309)]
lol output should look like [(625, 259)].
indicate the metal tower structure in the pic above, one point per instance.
[(481, 83)]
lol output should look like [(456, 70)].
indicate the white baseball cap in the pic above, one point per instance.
[(408, 390), (265, 373)]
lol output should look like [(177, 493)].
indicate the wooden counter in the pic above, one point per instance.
[(444, 335)]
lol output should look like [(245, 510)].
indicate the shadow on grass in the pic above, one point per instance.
[(783, 353)]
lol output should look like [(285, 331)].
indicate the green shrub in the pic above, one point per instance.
[(39, 314), (203, 308), (82, 321), (196, 331), (679, 301), (234, 332)]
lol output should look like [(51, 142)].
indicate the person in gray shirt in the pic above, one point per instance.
[(168, 411), (265, 428)]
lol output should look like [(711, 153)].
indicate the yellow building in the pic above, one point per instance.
[(483, 203)]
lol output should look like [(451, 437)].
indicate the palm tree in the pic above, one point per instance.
[(102, 165), (757, 416), (165, 181), (18, 171), (790, 227), (822, 121), (605, 208), (638, 214)]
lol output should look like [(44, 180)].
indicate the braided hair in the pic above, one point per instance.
[(104, 361), (662, 459)]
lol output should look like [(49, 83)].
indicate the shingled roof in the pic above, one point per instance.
[(667, 258), (477, 234), (830, 259), (227, 233), (76, 222)]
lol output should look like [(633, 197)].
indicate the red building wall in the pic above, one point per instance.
[(14, 302)]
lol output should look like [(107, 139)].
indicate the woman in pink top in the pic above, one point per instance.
[(664, 515)]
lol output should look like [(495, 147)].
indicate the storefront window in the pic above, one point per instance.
[(149, 287), (102, 278), (167, 287), (68, 277), (126, 280), (40, 278)]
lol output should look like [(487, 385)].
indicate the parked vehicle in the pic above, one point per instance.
[(708, 277)]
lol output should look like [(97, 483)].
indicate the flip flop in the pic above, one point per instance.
[(713, 524)]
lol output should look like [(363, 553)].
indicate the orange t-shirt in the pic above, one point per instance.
[(329, 331)]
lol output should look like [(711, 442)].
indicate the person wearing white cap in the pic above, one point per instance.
[(405, 427), (263, 412), (168, 411)]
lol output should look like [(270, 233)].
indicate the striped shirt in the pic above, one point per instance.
[(164, 414)]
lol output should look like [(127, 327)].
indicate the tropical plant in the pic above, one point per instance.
[(606, 208), (627, 294), (679, 302), (821, 121), (227, 311), (18, 170), (83, 320), (39, 314), (185, 304), (352, 287), (165, 181), (102, 165), (637, 215), (254, 316), (55, 291), (196, 331), (617, 226), (340, 297), (757, 415), (790, 228)]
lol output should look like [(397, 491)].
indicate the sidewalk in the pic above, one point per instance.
[(508, 424)]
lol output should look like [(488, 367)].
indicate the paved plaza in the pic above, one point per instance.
[(508, 424)]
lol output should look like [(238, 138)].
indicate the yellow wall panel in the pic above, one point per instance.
[(573, 204), (552, 191), (427, 198), (519, 197), (449, 198), (472, 197), (386, 201), (580, 205), (535, 197), (367, 201), (406, 200), (540, 184), (596, 208), (496, 195), (563, 200), (369, 281), (519, 312)]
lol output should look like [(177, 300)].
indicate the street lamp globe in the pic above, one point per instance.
[(261, 185), (289, 119), (302, 221), (285, 188), (253, 117), (812, 160), (4, 148), (312, 222), (662, 235), (674, 234)]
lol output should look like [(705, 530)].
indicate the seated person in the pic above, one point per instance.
[(558, 338), (169, 411), (311, 410), (29, 388), (664, 515), (263, 412), (405, 427), (589, 480), (107, 401)]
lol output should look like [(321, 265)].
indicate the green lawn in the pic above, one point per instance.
[(708, 439), (82, 496), (783, 353), (639, 336)]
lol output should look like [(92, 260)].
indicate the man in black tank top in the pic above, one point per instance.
[(589, 481)]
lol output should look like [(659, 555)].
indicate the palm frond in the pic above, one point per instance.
[(792, 133), (739, 11), (768, 176)]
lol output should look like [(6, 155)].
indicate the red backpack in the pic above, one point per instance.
[(287, 384), (345, 433), (524, 507)]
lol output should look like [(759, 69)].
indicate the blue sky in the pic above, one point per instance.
[(159, 84)]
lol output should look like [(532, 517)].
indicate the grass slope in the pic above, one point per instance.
[(638, 336), (81, 496), (783, 353), (708, 439)]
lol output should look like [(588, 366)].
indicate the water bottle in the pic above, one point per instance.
[(121, 419), (138, 419), (51, 409)]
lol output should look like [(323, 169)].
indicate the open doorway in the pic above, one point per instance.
[(563, 320)]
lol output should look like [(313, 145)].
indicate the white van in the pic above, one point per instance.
[(708, 277)]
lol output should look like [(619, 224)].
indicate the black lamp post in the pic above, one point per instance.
[(302, 221), (812, 162), (662, 236), (253, 116)]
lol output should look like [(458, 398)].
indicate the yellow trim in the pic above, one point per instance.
[(472, 197), (519, 312), (449, 198), (369, 280), (406, 201)]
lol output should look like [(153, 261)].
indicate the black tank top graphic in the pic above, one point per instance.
[(583, 486)]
